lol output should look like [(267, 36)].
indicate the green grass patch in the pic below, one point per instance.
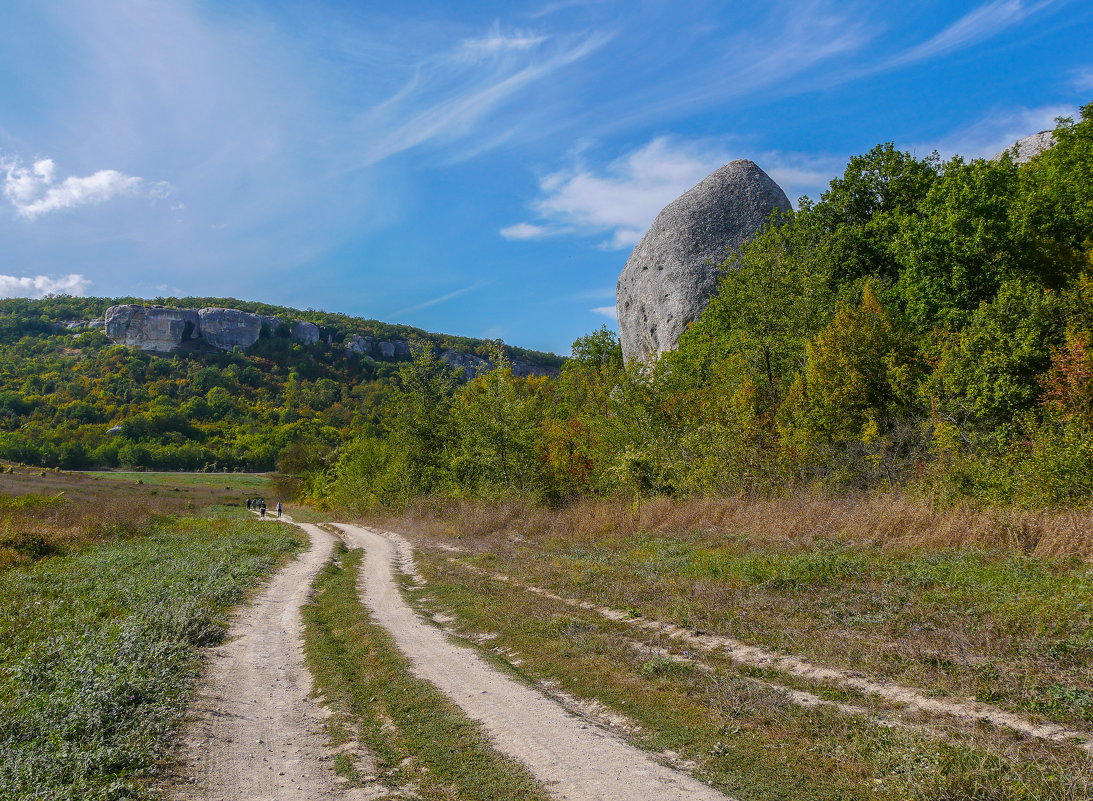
[(416, 736), (98, 651), (747, 738), (247, 483), (1007, 629)]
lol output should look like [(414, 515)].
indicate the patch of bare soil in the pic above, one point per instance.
[(574, 759)]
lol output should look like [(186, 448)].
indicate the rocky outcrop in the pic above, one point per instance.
[(528, 370), (1024, 150), (304, 332), (673, 272), (153, 328), (230, 328), (157, 328), (470, 364), (473, 365), (392, 350), (361, 346)]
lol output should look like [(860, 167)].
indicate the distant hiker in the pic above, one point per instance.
[(261, 508), (279, 509), (250, 503)]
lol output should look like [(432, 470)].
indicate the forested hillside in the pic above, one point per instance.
[(71, 398), (924, 322)]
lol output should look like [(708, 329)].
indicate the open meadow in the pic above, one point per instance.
[(804, 648), (108, 589)]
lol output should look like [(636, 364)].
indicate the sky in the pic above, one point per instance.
[(474, 168)]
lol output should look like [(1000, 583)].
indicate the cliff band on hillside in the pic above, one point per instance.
[(164, 330)]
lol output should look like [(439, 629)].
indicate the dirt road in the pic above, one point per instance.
[(574, 760), (255, 733)]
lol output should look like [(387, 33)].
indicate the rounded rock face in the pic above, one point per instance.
[(304, 332), (1024, 150), (230, 328), (673, 272), (152, 328)]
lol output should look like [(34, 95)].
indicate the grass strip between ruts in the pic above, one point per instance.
[(417, 739)]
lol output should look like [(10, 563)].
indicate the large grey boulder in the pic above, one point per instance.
[(1024, 150), (230, 328), (153, 328), (673, 272)]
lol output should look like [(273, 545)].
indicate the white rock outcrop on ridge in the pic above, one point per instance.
[(304, 332), (673, 272), (229, 328), (153, 328), (1024, 150)]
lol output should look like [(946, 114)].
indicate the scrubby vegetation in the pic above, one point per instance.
[(71, 398), (923, 323)]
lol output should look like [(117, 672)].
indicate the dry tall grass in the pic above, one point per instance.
[(891, 519), (45, 512)]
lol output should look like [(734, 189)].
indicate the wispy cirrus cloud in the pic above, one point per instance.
[(451, 94), (1082, 79), (978, 24), (437, 300), (499, 41), (38, 286), (36, 190), (781, 53)]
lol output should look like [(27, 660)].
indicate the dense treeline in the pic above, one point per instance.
[(71, 398), (923, 322)]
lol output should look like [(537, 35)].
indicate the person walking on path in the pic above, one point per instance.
[(262, 508), (279, 510)]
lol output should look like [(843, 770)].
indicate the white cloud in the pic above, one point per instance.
[(606, 311), (39, 286), (525, 230), (991, 135), (35, 190), (978, 24), (624, 198)]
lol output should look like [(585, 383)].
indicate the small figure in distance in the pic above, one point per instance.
[(262, 508), (250, 503), (279, 510)]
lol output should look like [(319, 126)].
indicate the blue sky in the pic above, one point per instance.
[(477, 168)]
